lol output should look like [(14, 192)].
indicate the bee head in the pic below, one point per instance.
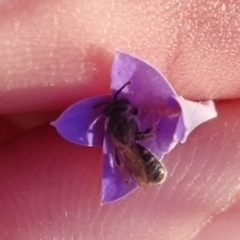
[(117, 107)]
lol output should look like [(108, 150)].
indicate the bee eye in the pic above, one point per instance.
[(135, 111)]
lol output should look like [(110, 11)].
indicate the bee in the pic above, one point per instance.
[(141, 164), (132, 159)]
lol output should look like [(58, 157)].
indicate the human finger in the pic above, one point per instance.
[(51, 188), (58, 52)]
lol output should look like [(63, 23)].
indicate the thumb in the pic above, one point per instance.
[(51, 189)]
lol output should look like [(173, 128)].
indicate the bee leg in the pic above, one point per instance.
[(118, 162), (100, 104), (148, 133)]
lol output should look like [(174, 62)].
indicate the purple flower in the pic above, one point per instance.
[(171, 116)]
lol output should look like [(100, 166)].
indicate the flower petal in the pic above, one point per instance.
[(192, 115), (113, 185), (83, 124), (148, 86), (170, 130)]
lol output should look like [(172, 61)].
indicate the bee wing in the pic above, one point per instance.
[(125, 174), (130, 159)]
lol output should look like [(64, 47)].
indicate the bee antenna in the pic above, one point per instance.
[(120, 89)]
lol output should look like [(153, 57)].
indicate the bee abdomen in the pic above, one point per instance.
[(156, 171)]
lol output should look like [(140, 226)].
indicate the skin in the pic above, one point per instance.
[(54, 53)]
